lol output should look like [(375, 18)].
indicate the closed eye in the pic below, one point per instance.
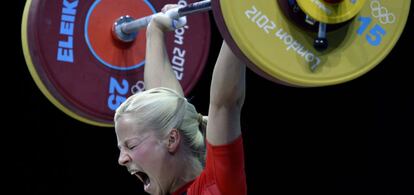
[(132, 147), (131, 144)]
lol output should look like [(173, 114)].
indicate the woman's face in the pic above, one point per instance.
[(144, 155)]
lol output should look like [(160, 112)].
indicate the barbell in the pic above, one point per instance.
[(87, 57)]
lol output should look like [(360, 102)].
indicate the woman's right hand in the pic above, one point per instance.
[(164, 22)]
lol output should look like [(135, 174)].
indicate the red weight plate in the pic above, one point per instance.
[(84, 71)]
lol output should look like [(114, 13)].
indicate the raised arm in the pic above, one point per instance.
[(158, 71), (226, 98)]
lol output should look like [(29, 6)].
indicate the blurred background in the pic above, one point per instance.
[(351, 137)]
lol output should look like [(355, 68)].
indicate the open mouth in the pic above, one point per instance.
[(144, 178)]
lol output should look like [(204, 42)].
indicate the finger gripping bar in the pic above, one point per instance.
[(197, 7)]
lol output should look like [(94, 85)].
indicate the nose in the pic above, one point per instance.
[(123, 158)]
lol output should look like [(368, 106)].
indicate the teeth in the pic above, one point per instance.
[(146, 186), (133, 172)]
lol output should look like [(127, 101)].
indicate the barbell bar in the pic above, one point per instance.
[(126, 28)]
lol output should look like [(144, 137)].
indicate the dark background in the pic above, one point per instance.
[(351, 137)]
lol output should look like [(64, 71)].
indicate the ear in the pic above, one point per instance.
[(174, 139)]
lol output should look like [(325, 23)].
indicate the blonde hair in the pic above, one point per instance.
[(163, 109)]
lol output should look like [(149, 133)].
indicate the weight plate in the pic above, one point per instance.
[(84, 71), (281, 51)]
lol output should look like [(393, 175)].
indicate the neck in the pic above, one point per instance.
[(187, 170)]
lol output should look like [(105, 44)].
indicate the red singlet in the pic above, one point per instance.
[(224, 172)]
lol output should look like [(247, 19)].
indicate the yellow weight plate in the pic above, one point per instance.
[(331, 13), (285, 52)]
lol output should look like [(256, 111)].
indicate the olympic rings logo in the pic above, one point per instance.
[(138, 87), (381, 13)]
